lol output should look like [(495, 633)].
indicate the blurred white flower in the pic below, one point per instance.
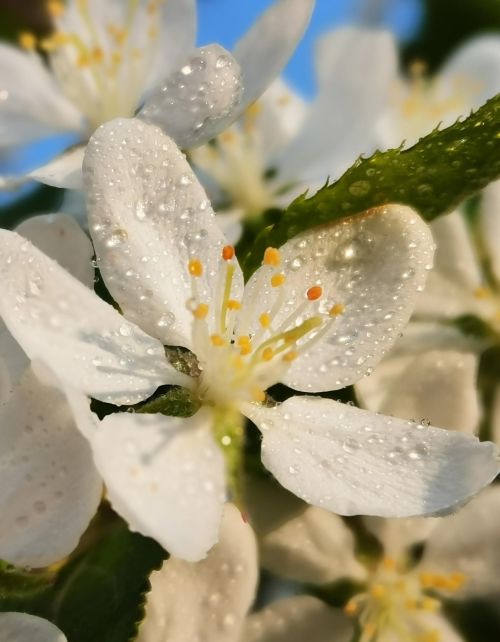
[(211, 599), (401, 598), (317, 315), (115, 58), (21, 627), (50, 488)]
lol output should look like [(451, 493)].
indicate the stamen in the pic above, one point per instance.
[(350, 608), (481, 293), (272, 257), (195, 268), (55, 8), (377, 591), (428, 604), (336, 309), (217, 340), (27, 40), (264, 320), (244, 345), (258, 394), (277, 280), (290, 356), (201, 311), (232, 304), (388, 563), (227, 252), (314, 293), (267, 354)]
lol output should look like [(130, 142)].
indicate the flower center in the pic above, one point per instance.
[(235, 161), (100, 65), (396, 601), (243, 350)]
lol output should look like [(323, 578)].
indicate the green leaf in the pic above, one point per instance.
[(433, 177)]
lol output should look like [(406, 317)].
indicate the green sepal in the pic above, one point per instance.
[(434, 176)]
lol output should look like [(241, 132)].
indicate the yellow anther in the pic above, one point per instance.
[(388, 563), (456, 581), (253, 109), (83, 60), (283, 100), (377, 591), (258, 394), (336, 309), (152, 33), (277, 280), (244, 345), (116, 58), (314, 293), (431, 636), (271, 257), (97, 54), (350, 608), (236, 362), (227, 137), (290, 356), (27, 40), (217, 340), (429, 604), (481, 292), (201, 311), (427, 580), (195, 268), (368, 629), (233, 305), (244, 340), (227, 252), (264, 320), (55, 8), (267, 354), (411, 604)]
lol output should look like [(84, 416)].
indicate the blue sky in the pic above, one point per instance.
[(224, 21)]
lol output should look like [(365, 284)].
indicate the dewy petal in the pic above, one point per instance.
[(352, 461), (84, 340), (165, 476), (490, 224), (49, 487), (355, 69), (315, 547), (198, 101), (373, 266), (266, 47), (456, 275), (175, 39), (31, 104), (207, 600), (467, 543), (65, 171), (60, 237), (397, 535), (296, 619), (21, 627), (148, 217)]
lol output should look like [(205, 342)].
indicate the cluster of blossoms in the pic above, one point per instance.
[(320, 314)]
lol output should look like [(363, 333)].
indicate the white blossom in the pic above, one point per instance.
[(21, 627)]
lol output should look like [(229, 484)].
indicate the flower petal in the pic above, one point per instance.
[(148, 217), (352, 461), (198, 101), (49, 487), (21, 627), (210, 598), (355, 69), (397, 535), (165, 476), (266, 47), (296, 619), (60, 237), (64, 171), (372, 265), (31, 104), (490, 224), (467, 543), (434, 624), (84, 340)]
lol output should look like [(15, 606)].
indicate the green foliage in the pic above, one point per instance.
[(434, 176), (99, 593)]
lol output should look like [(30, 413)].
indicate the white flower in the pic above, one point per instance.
[(210, 600), (317, 316), (21, 627), (50, 489), (401, 598), (113, 58), (417, 105), (281, 144)]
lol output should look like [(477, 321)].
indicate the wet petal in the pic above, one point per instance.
[(490, 224), (148, 217), (352, 461), (297, 619), (165, 476), (84, 340), (370, 267), (49, 487), (64, 171), (266, 47), (21, 627), (198, 101), (210, 598)]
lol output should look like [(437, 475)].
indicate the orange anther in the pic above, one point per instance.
[(227, 252), (267, 354), (314, 293), (27, 40), (336, 309), (290, 356), (195, 267), (55, 8), (217, 340), (272, 257), (233, 305), (201, 311), (264, 320), (277, 280), (258, 394), (350, 608)]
